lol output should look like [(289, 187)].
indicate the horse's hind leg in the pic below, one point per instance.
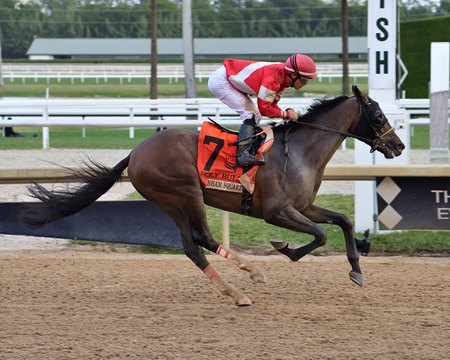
[(290, 218), (196, 254), (203, 237)]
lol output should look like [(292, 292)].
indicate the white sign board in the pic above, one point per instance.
[(439, 67), (382, 30), (382, 52)]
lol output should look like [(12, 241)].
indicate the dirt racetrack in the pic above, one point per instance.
[(79, 304)]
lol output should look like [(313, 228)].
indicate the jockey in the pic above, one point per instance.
[(235, 81)]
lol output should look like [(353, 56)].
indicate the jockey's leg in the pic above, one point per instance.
[(242, 103), (244, 157)]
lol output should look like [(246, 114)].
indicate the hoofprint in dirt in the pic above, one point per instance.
[(95, 305)]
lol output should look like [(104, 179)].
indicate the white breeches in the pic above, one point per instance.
[(236, 100)]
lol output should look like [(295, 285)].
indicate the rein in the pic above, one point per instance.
[(334, 131), (374, 143), (237, 142)]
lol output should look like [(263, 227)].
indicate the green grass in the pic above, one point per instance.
[(420, 137)]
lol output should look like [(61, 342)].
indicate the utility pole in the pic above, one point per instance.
[(1, 74), (154, 53), (345, 31), (188, 41)]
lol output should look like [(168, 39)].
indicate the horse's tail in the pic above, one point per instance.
[(96, 179)]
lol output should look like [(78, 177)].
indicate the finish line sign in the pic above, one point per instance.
[(382, 31), (413, 203)]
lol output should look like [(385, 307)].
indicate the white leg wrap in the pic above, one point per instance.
[(223, 252)]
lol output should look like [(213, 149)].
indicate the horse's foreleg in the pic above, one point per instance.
[(197, 256), (202, 236), (255, 274), (239, 298), (195, 253), (320, 215), (290, 218)]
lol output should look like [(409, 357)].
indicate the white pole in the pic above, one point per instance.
[(131, 130), (188, 41), (226, 229), (439, 78), (1, 75), (45, 129)]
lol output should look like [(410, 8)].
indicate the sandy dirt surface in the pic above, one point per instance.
[(75, 304)]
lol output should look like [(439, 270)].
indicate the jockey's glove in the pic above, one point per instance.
[(291, 114)]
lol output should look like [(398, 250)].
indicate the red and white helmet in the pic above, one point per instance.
[(301, 65)]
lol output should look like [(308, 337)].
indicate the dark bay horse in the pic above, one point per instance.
[(163, 170)]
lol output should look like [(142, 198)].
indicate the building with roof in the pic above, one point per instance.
[(172, 48)]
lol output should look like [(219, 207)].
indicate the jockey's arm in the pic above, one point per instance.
[(267, 101), (272, 110)]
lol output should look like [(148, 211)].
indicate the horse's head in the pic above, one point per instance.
[(376, 128)]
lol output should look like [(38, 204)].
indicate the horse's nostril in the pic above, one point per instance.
[(401, 146)]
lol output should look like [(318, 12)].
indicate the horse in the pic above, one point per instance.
[(163, 170)]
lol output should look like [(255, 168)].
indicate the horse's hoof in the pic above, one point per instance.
[(243, 300), (279, 245), (357, 278), (258, 277)]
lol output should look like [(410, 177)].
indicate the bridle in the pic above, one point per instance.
[(376, 143)]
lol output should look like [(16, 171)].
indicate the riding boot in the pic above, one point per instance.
[(244, 158)]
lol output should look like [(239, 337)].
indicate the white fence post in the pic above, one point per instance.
[(439, 78)]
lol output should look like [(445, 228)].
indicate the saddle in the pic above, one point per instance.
[(216, 159)]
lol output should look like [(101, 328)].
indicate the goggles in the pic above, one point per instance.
[(304, 80)]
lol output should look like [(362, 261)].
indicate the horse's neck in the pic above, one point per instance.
[(316, 146)]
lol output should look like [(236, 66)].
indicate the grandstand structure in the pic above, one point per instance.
[(172, 48)]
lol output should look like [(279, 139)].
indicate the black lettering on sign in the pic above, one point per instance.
[(381, 25), (381, 61)]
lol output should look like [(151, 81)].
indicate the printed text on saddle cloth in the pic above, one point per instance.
[(216, 160)]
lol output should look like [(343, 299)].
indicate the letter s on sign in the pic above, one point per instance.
[(381, 23)]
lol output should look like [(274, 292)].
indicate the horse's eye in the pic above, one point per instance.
[(379, 115)]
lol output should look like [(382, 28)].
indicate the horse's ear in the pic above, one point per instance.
[(359, 95), (356, 91)]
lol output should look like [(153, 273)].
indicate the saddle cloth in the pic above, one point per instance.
[(216, 160)]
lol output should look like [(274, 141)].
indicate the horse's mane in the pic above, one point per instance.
[(318, 106)]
